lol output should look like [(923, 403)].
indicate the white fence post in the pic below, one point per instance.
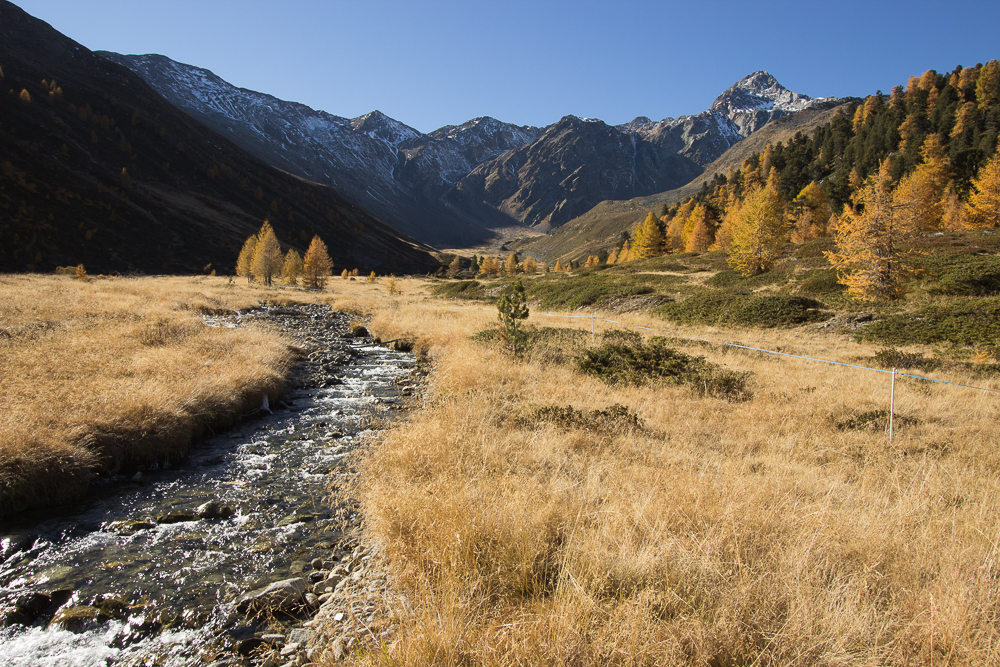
[(892, 403)]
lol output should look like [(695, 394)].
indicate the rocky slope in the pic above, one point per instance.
[(578, 163), (388, 168), (98, 168)]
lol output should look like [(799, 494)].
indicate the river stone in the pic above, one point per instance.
[(360, 332), (283, 595), (78, 619), (214, 509), (251, 645), (126, 527), (175, 517), (15, 543)]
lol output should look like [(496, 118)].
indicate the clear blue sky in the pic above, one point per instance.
[(430, 63)]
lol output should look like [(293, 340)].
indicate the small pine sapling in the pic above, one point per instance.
[(511, 309)]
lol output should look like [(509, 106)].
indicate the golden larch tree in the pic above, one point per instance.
[(245, 260), (984, 200), (922, 193), (869, 257), (648, 241), (292, 268), (760, 230), (699, 230), (510, 266), (317, 264), (267, 255), (530, 266), (811, 214)]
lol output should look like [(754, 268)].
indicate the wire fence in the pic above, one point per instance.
[(594, 319)]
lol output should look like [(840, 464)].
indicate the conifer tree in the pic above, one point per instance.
[(759, 234), (292, 268), (613, 257), (984, 200), (813, 213), (474, 267), (558, 267), (530, 266), (267, 257), (511, 264), (317, 264), (648, 238), (345, 274), (869, 257), (988, 86), (698, 230), (625, 254), (244, 263), (454, 267), (921, 194)]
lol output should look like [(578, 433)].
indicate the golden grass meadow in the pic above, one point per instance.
[(706, 532)]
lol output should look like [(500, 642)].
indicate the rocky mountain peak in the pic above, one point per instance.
[(757, 99), (379, 126)]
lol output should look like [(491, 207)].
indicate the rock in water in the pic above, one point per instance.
[(281, 596), (214, 509)]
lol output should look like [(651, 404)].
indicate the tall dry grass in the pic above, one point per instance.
[(756, 533), (109, 375)]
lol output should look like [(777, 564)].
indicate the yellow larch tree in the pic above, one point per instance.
[(698, 232), (869, 257), (984, 199), (922, 193), (245, 260), (648, 241), (511, 265), (612, 257), (317, 264), (267, 256), (558, 267), (760, 230), (529, 265), (292, 268), (812, 214)]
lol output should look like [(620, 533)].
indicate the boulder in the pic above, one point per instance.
[(214, 509), (281, 596)]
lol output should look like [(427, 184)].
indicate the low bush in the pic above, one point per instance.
[(890, 357), (965, 322), (463, 289), (963, 275), (733, 280), (711, 307), (654, 361), (820, 281), (614, 419)]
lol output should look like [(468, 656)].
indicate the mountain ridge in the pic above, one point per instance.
[(451, 187)]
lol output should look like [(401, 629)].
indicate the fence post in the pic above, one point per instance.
[(892, 403)]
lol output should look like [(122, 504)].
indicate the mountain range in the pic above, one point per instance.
[(140, 162), (453, 186)]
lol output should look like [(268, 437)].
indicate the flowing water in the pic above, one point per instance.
[(167, 578)]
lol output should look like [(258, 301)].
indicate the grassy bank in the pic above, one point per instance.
[(529, 518), (109, 375)]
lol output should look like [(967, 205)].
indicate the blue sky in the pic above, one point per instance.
[(430, 63)]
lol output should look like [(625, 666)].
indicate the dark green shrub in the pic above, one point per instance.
[(614, 419), (733, 280), (967, 322), (965, 275), (890, 357), (463, 289), (743, 310), (820, 281), (654, 361)]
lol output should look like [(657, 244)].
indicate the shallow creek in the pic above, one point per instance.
[(167, 579)]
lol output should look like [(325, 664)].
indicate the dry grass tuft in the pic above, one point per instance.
[(717, 533), (107, 376)]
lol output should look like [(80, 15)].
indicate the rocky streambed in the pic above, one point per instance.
[(237, 556)]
